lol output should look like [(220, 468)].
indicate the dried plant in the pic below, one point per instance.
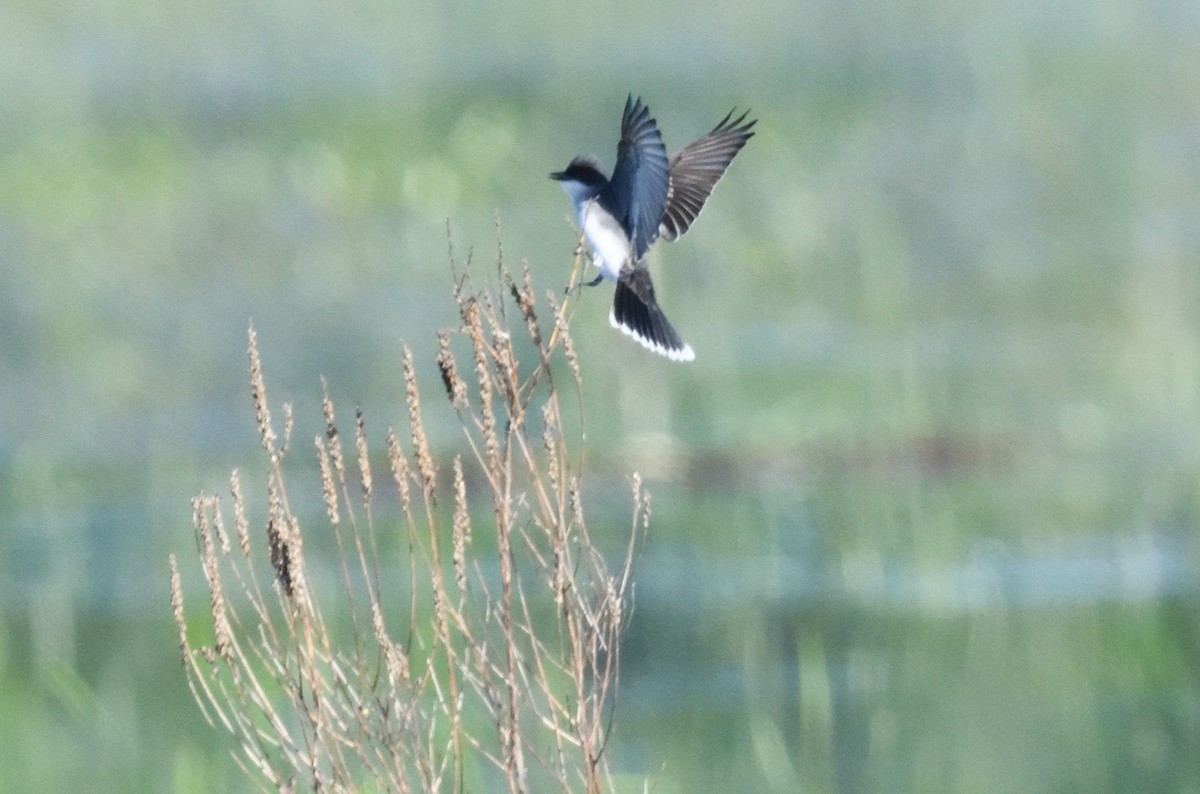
[(491, 660)]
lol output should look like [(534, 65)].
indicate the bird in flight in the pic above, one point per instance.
[(649, 195)]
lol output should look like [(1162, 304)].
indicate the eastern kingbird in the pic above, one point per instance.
[(649, 195)]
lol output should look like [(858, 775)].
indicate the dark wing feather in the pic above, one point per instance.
[(638, 189), (695, 170)]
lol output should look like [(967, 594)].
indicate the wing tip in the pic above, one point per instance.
[(730, 124)]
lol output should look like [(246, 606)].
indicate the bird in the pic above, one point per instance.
[(649, 195)]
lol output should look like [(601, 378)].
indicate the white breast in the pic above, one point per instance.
[(610, 247)]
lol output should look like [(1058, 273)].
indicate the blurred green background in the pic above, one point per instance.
[(926, 504)]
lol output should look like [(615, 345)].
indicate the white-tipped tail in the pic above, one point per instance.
[(636, 313), (682, 353)]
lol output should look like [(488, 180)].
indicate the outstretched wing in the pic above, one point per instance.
[(638, 189), (695, 170)]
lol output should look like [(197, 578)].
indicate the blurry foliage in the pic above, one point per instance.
[(926, 503)]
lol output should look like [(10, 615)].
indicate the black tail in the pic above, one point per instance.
[(636, 312)]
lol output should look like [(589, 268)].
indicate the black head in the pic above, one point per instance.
[(585, 170)]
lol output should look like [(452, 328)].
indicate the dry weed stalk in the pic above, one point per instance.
[(494, 663)]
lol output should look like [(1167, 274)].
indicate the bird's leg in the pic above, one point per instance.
[(573, 290)]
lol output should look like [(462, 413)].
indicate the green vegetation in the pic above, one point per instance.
[(925, 505)]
